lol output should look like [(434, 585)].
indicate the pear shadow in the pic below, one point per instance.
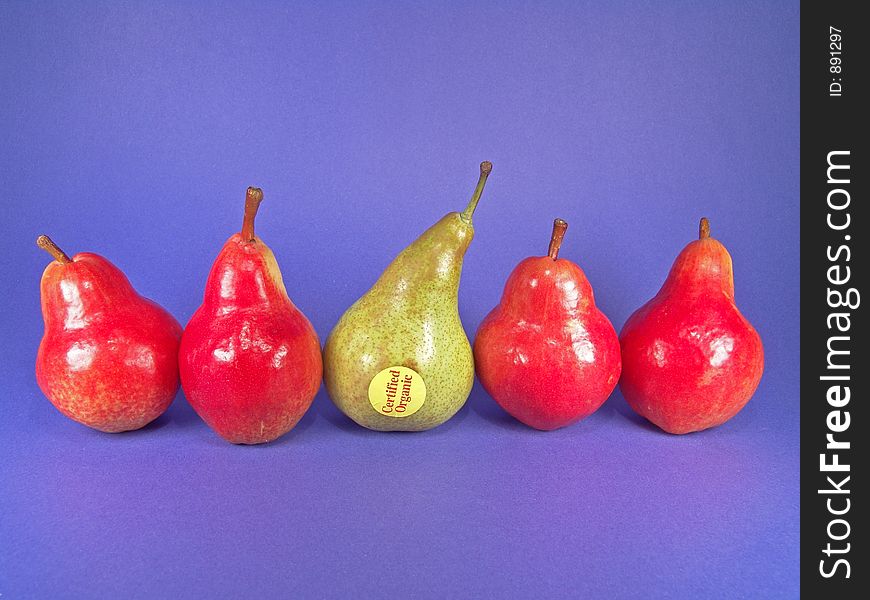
[(131, 434), (290, 437), (601, 419), (324, 406), (181, 412), (489, 410), (453, 421), (155, 425), (621, 406)]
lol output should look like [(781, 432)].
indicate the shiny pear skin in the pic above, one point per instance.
[(410, 318)]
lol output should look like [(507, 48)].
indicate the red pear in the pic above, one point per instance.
[(250, 360), (546, 353), (109, 357), (690, 359)]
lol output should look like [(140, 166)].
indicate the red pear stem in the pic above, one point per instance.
[(559, 229), (252, 203), (704, 229), (49, 246), (485, 170)]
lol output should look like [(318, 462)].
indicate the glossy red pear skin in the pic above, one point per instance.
[(546, 353), (250, 360), (108, 358), (691, 361)]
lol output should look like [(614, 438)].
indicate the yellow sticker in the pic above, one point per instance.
[(397, 392)]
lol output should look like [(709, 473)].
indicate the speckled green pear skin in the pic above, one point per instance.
[(410, 317)]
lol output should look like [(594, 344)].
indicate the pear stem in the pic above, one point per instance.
[(485, 170), (704, 229), (49, 246), (252, 203), (559, 228)]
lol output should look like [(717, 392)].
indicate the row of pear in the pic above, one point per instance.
[(250, 363)]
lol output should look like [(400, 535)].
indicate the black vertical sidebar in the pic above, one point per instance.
[(834, 262)]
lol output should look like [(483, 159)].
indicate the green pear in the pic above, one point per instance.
[(399, 359)]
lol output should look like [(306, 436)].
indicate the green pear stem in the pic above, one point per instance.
[(49, 246), (559, 229), (704, 229), (252, 203), (485, 170)]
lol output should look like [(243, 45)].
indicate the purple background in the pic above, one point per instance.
[(132, 130)]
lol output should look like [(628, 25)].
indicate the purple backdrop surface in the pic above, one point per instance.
[(132, 129)]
